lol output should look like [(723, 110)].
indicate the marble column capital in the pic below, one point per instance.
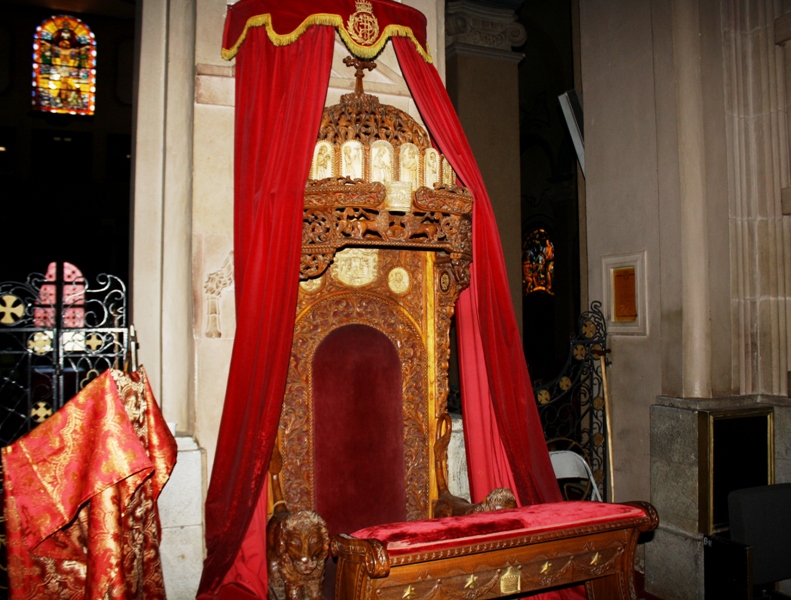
[(483, 24)]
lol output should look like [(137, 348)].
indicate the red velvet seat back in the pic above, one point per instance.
[(359, 474)]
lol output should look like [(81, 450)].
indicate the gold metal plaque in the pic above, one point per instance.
[(356, 267), (510, 581)]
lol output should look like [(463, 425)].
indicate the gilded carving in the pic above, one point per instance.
[(356, 267), (296, 424)]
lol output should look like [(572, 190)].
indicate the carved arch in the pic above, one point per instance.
[(296, 420)]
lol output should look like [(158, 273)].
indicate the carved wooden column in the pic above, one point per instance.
[(483, 83)]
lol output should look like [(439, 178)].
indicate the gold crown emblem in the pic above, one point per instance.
[(364, 6)]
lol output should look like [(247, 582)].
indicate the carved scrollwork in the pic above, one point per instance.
[(461, 269), (370, 552), (650, 512), (361, 117), (448, 199), (340, 212), (314, 264), (344, 191), (296, 423)]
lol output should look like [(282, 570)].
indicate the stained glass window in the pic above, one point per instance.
[(538, 262), (64, 67)]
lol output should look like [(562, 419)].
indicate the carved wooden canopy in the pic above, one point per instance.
[(386, 243)]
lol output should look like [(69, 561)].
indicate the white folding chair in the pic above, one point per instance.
[(570, 465)]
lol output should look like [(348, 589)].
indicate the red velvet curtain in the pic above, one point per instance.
[(493, 369), (280, 94)]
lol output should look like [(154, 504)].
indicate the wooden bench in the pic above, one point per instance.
[(488, 555)]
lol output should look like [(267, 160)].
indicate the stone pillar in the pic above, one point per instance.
[(162, 202), (696, 324), (756, 104), (483, 83)]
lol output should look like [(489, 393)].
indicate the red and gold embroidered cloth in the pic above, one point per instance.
[(364, 25), (80, 495)]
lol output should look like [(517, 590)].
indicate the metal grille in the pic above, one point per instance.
[(572, 406), (55, 337)]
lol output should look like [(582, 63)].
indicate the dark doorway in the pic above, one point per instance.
[(549, 183)]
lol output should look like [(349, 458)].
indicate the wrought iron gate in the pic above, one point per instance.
[(57, 333), (572, 406)]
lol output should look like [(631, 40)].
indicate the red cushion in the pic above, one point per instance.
[(436, 534), (358, 459)]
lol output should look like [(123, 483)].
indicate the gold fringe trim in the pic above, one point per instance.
[(336, 21)]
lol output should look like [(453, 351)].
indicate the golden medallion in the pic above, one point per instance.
[(356, 267), (363, 26), (398, 280)]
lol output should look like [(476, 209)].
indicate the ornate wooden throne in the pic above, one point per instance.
[(386, 248), (363, 432)]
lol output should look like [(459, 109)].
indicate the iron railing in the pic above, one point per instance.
[(572, 405), (56, 335)]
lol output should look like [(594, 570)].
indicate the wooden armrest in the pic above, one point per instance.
[(650, 512), (370, 553)]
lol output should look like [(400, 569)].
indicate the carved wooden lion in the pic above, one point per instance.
[(498, 499), (297, 545)]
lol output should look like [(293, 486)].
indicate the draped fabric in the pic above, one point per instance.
[(80, 496), (489, 341), (280, 94)]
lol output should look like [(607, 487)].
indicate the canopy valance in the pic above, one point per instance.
[(364, 25)]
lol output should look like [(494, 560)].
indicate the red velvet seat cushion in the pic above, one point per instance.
[(448, 532)]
